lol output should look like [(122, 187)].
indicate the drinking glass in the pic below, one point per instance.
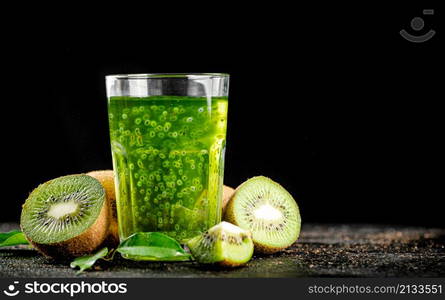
[(168, 137)]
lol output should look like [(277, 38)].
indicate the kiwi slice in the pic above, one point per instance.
[(66, 217), (224, 244), (265, 208)]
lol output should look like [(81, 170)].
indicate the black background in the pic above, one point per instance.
[(330, 101)]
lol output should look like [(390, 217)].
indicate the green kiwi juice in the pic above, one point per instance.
[(168, 157)]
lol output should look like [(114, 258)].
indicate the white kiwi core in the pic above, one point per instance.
[(268, 213), (59, 210)]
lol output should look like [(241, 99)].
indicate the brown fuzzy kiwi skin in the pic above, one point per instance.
[(229, 216), (229, 264), (259, 248), (89, 241), (227, 195), (106, 178)]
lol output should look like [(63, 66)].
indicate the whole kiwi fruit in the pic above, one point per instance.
[(106, 179), (227, 195)]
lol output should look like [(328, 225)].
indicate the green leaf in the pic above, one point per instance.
[(152, 246), (12, 238), (87, 261)]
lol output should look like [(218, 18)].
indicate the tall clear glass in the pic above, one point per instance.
[(168, 136)]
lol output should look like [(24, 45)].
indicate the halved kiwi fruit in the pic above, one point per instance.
[(67, 216), (265, 208), (224, 244)]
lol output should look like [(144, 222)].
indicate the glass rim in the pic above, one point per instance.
[(168, 75)]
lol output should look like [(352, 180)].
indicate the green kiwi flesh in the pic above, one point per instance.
[(224, 244), (265, 208), (67, 216)]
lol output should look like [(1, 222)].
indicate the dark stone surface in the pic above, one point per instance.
[(321, 251)]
